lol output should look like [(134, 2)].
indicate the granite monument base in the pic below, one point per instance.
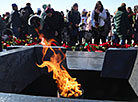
[(19, 74)]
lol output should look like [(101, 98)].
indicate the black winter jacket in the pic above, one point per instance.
[(54, 23), (74, 17)]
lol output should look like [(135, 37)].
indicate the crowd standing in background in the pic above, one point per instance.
[(96, 26)]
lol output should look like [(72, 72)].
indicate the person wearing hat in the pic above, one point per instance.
[(15, 21), (27, 12), (29, 9), (53, 25), (39, 11), (74, 19), (43, 15)]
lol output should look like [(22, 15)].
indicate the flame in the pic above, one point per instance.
[(67, 85)]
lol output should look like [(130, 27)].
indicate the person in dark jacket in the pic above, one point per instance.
[(7, 16), (122, 24), (130, 18), (53, 25), (2, 27), (26, 13), (74, 19), (15, 21), (107, 27)]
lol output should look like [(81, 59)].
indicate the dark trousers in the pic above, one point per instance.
[(16, 32), (81, 35), (129, 36), (73, 40), (73, 36), (97, 40), (129, 39), (116, 39), (135, 37), (103, 38), (0, 44), (58, 39), (97, 35)]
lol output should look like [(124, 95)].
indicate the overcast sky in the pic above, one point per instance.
[(62, 5)]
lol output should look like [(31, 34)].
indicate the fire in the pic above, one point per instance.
[(68, 86)]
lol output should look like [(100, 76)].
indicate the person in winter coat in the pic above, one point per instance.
[(98, 17), (74, 19), (88, 22), (136, 24), (107, 27), (53, 25), (2, 27), (82, 25), (26, 13), (122, 24), (130, 18), (88, 34), (15, 21), (43, 16), (7, 16)]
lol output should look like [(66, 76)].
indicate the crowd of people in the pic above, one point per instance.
[(96, 26)]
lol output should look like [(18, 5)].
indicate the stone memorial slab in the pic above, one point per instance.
[(119, 63), (79, 60), (7, 97), (133, 80)]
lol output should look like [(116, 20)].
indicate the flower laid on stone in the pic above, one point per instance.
[(12, 41)]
